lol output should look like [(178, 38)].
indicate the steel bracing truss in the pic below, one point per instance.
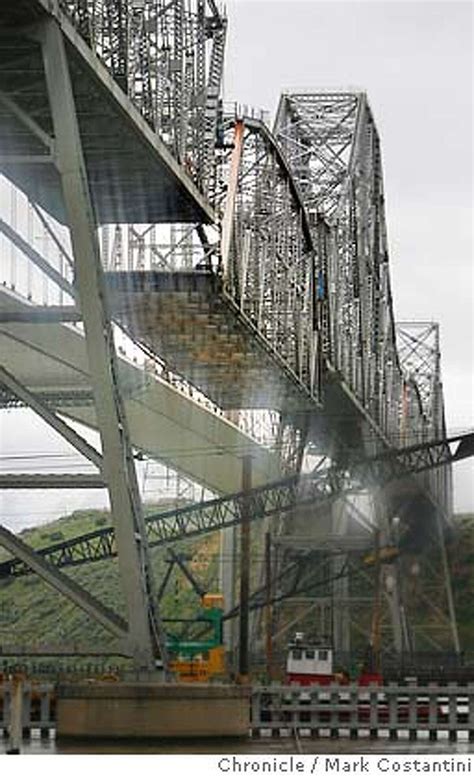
[(420, 358), (265, 501), (168, 57), (266, 252), (419, 354), (333, 149)]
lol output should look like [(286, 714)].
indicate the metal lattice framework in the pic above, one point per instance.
[(419, 354), (333, 149), (267, 252), (298, 250), (168, 57), (265, 501)]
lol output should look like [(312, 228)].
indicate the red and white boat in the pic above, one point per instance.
[(311, 663)]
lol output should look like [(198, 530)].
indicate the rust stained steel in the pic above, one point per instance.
[(228, 216)]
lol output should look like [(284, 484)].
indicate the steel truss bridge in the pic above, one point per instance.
[(182, 277)]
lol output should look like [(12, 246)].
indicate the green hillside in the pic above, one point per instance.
[(461, 554), (32, 612)]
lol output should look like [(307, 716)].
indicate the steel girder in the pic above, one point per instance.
[(144, 630), (419, 354), (168, 56), (333, 149), (266, 251), (265, 501)]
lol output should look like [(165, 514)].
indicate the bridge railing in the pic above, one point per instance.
[(350, 710), (38, 707)]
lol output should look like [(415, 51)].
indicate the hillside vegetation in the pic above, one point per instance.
[(461, 554), (32, 612)]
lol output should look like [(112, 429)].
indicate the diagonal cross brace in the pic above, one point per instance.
[(51, 575), (145, 630), (270, 499), (34, 256), (51, 418)]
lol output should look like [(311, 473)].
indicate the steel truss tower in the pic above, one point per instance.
[(333, 149)]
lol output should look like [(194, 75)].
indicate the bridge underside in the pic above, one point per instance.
[(133, 178), (51, 360), (188, 320)]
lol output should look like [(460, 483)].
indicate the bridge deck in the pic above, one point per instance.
[(133, 176), (51, 359), (187, 319)]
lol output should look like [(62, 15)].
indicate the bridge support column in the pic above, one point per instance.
[(228, 584), (244, 666), (145, 633), (389, 577), (341, 629), (447, 582), (16, 717)]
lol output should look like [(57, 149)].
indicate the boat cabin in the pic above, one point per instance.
[(308, 664)]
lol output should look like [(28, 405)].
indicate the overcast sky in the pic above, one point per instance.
[(415, 61)]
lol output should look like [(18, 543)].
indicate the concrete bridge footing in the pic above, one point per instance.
[(141, 710)]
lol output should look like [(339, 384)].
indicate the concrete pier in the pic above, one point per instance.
[(138, 710), (15, 730)]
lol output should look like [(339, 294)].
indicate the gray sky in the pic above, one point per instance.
[(415, 61)]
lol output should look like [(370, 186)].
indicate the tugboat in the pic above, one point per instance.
[(311, 663)]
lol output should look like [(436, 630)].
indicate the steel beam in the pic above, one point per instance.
[(51, 418), (61, 650), (41, 314), (446, 576), (244, 572), (340, 584), (29, 123), (52, 234), (36, 258), (392, 592), (228, 587), (50, 480), (227, 219), (134, 566), (51, 575), (272, 499)]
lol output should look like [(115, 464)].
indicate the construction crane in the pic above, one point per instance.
[(201, 658)]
